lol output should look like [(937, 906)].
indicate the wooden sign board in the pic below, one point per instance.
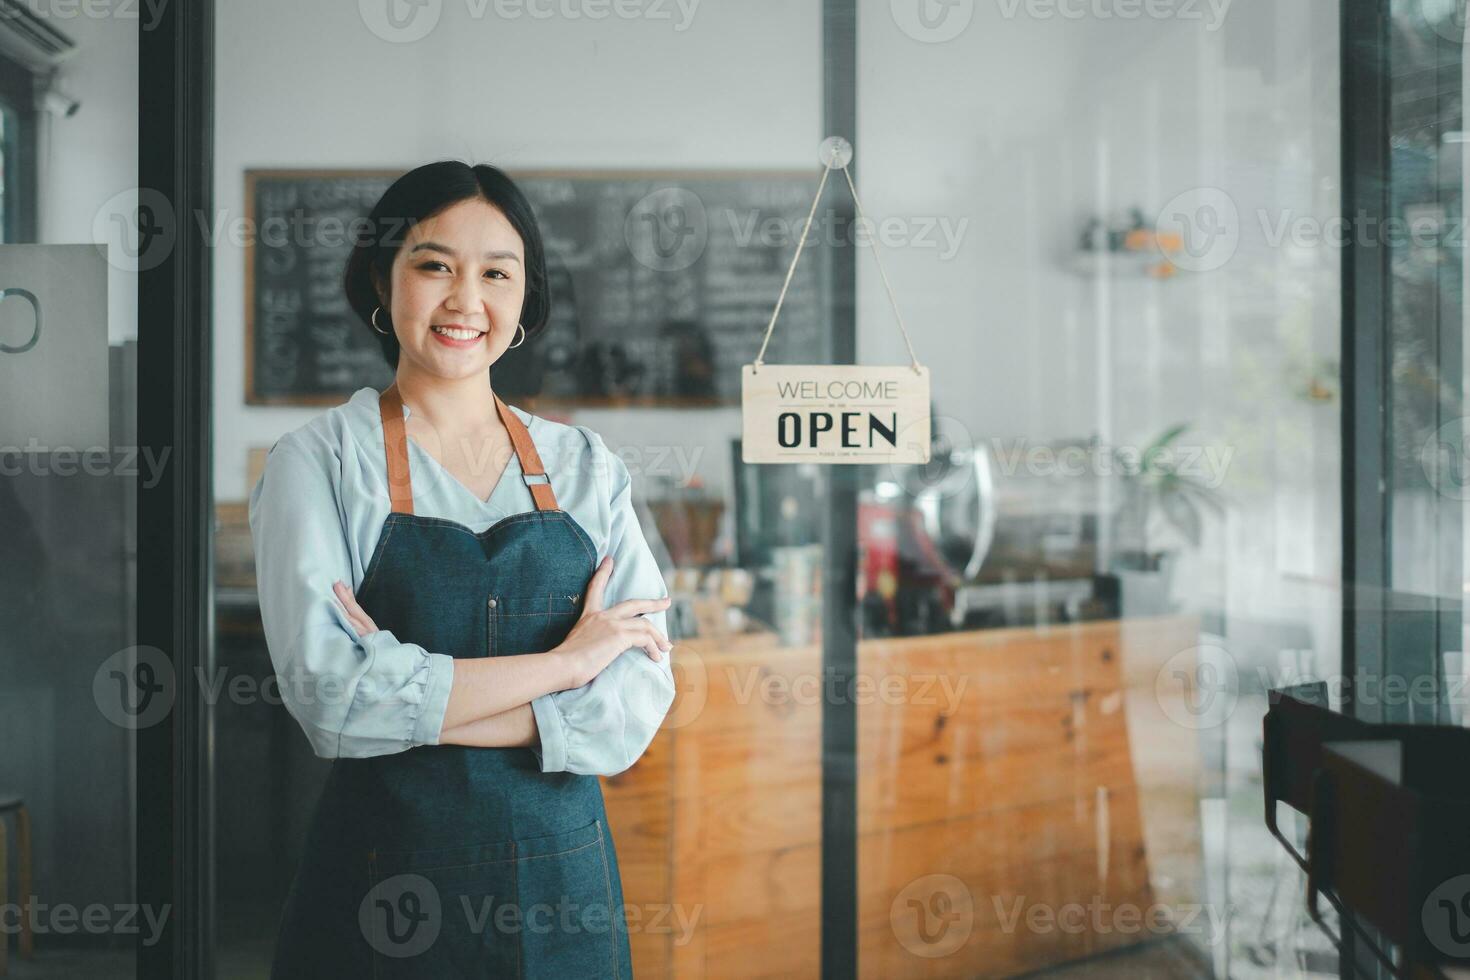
[(834, 413)]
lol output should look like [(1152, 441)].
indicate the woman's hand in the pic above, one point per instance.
[(360, 620), (601, 634)]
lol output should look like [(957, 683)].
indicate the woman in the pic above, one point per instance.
[(473, 636)]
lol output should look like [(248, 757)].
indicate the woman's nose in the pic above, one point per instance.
[(464, 295)]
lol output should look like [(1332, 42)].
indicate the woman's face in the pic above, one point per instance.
[(461, 270)]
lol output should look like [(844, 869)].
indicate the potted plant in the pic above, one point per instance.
[(1156, 490)]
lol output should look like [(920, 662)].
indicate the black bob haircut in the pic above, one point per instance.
[(420, 194)]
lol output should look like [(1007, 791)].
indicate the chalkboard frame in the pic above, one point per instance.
[(254, 175)]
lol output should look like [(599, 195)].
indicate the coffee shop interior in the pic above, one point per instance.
[(1187, 438)]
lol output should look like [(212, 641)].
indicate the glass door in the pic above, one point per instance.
[(995, 715), (670, 154), (93, 596), (1106, 227), (69, 710), (1195, 437)]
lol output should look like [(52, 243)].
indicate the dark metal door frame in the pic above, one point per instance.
[(839, 878), (1365, 384), (175, 798), (1385, 631), (18, 89), (1366, 406)]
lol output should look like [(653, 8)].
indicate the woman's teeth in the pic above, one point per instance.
[(455, 334)]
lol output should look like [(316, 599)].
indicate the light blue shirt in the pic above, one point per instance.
[(315, 517)]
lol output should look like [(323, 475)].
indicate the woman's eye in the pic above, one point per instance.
[(434, 265)]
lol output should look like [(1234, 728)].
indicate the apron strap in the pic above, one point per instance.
[(395, 446), (531, 467)]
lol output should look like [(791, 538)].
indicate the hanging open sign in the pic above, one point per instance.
[(834, 413)]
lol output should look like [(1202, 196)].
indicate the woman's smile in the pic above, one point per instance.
[(456, 335)]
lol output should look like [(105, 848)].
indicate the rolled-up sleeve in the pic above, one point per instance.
[(602, 727), (353, 696)]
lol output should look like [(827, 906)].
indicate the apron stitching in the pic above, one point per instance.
[(374, 563), (515, 888), (570, 850), (372, 884), (513, 845), (581, 538), (508, 521), (502, 524), (460, 867), (607, 881), (397, 517)]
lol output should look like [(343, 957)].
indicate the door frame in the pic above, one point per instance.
[(1385, 631), (175, 778)]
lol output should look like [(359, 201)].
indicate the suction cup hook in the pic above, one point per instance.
[(835, 152)]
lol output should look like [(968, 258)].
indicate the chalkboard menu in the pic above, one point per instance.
[(662, 284)]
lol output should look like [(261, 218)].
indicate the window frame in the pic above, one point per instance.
[(19, 87)]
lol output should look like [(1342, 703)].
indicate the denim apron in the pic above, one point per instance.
[(446, 860)]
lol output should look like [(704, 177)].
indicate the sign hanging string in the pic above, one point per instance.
[(834, 153)]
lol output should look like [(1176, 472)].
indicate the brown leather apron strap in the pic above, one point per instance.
[(531, 467), (395, 446)]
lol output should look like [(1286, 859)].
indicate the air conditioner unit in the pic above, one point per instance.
[(30, 40)]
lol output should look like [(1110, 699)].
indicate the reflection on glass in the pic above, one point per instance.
[(1129, 530), (663, 265), (72, 696), (1100, 233)]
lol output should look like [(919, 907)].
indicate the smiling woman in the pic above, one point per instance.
[(470, 649), (471, 267)]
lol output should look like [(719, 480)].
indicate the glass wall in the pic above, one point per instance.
[(1111, 239), (1109, 228), (1425, 348), (75, 690), (669, 151)]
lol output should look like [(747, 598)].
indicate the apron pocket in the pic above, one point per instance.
[(570, 917), (532, 623), (443, 913)]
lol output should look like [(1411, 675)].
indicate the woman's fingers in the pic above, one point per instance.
[(642, 633), (345, 597), (349, 606), (659, 638), (359, 619), (650, 644), (596, 586), (636, 607)]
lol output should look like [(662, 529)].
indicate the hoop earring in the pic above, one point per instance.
[(521, 341), (374, 319)]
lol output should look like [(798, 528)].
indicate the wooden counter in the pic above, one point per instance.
[(997, 779)]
